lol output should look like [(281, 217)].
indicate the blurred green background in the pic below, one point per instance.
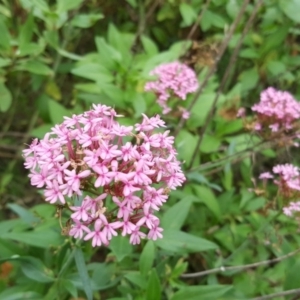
[(59, 57)]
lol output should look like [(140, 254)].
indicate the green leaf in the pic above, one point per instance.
[(210, 143), (120, 247), (86, 20), (276, 67), (52, 38), (186, 143), (218, 20), (291, 8), (181, 242), (26, 215), (274, 40), (132, 3), (34, 269), (207, 292), (5, 96), (249, 53), (8, 225), (153, 291), (70, 55), (65, 5), (69, 286), (115, 94), (14, 294), (249, 79), (139, 104), (121, 42), (206, 21), (188, 14), (83, 273), (5, 11), (4, 62), (232, 8), (201, 109), (103, 275), (147, 258), (57, 111), (38, 238), (207, 197), (26, 33), (137, 279), (149, 46), (93, 71), (41, 4), (35, 67), (5, 35), (255, 204), (40, 131), (175, 216), (52, 90), (109, 56), (291, 277)]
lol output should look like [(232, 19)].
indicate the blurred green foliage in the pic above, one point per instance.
[(59, 57)]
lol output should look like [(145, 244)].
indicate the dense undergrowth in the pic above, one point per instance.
[(58, 58)]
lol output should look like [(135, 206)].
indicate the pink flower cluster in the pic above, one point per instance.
[(288, 181), (277, 110), (172, 80), (123, 175)]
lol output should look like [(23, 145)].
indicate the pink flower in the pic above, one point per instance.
[(287, 178), (73, 179), (277, 110), (266, 175), (155, 232), (97, 236), (129, 169), (172, 80), (78, 230), (53, 193), (104, 176), (136, 236), (241, 112)]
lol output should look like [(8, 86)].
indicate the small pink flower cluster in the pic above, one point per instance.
[(130, 174), (277, 111), (173, 80), (288, 183)]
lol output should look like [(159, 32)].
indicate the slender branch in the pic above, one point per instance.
[(213, 68), (143, 19), (241, 267), (262, 145), (199, 18), (215, 163), (279, 294), (224, 79)]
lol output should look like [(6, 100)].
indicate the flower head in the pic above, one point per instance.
[(277, 110), (129, 169), (175, 80)]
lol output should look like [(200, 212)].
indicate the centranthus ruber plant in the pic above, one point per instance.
[(276, 115), (123, 173), (173, 81), (287, 178)]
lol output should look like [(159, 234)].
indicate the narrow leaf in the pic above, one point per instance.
[(175, 216), (210, 292), (181, 242), (147, 258), (153, 291), (5, 96), (83, 273)]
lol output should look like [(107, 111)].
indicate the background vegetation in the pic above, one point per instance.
[(59, 57)]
